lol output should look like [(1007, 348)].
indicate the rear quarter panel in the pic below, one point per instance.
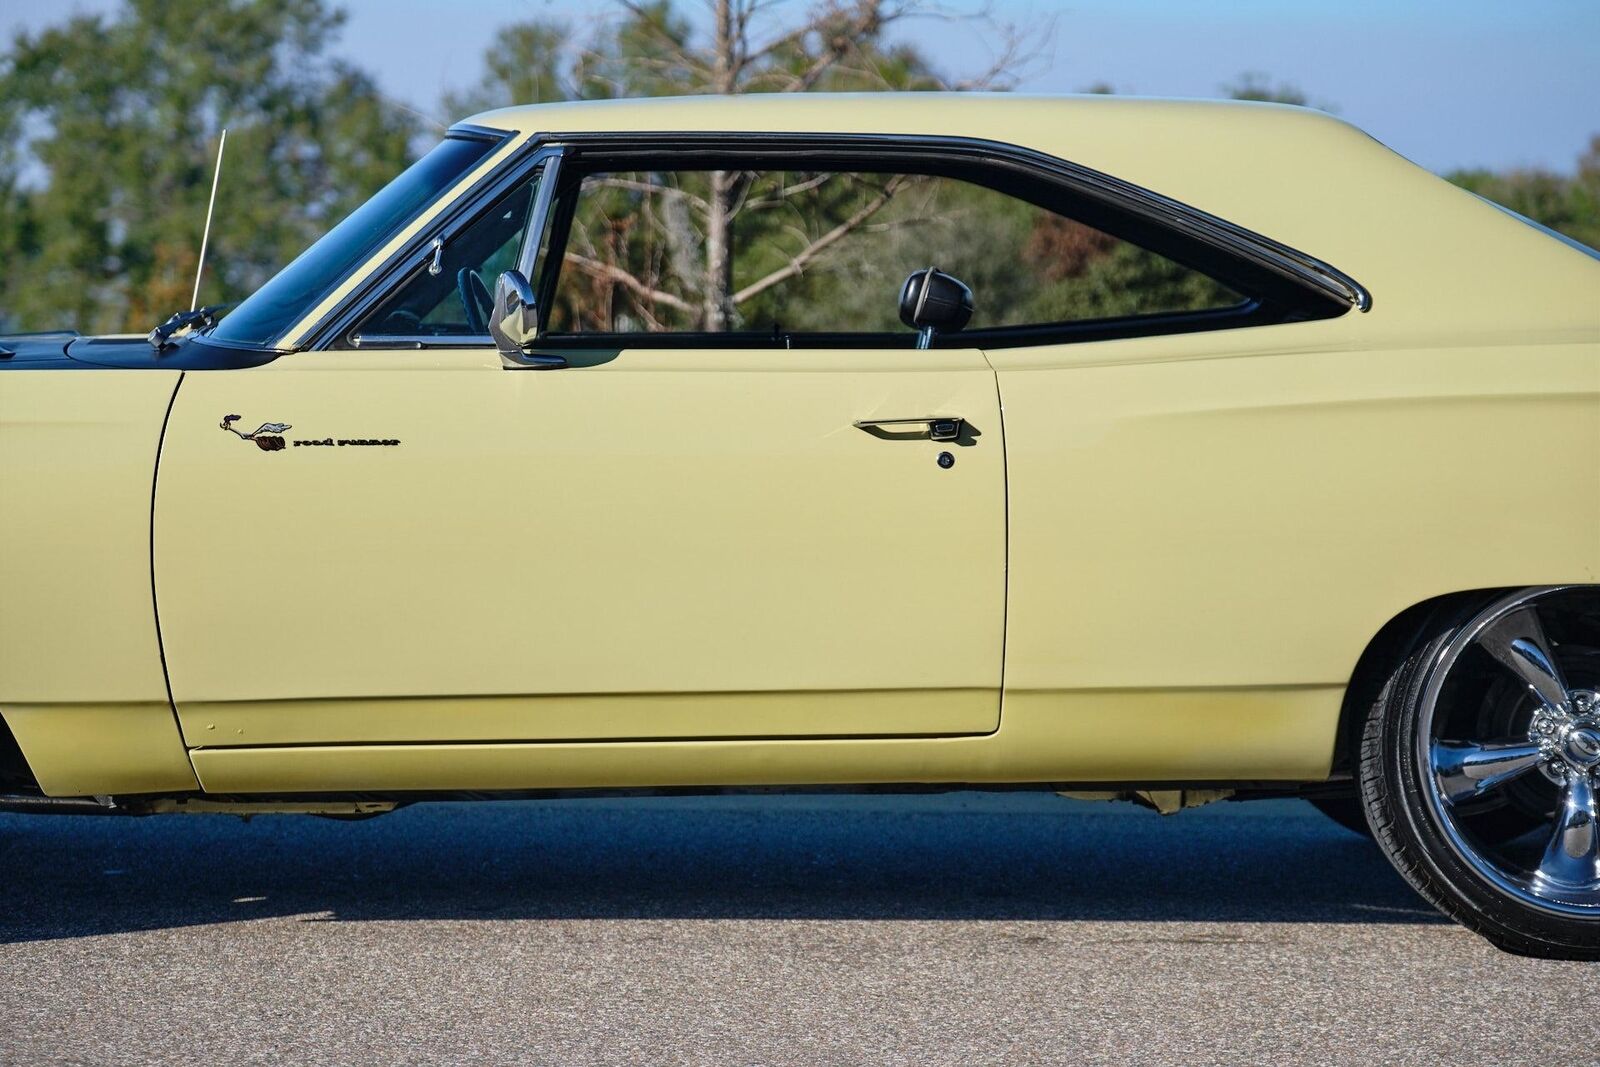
[(1244, 510)]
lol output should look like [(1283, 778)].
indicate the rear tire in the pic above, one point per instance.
[(1479, 769)]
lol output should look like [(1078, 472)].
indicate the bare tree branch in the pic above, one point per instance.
[(1018, 50), (678, 57), (669, 191), (612, 272), (739, 192), (800, 260), (781, 196), (834, 42)]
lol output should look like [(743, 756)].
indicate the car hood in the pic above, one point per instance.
[(70, 350), (18, 349)]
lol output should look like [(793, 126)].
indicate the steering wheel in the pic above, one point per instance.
[(475, 299)]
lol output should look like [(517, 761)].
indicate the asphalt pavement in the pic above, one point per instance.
[(953, 929)]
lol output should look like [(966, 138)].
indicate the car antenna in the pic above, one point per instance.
[(196, 317), (205, 237)]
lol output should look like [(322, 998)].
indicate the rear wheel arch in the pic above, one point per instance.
[(1393, 642)]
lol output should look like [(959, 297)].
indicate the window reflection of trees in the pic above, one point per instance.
[(811, 252)]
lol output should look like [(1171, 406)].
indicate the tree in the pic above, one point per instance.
[(530, 63), (109, 128), (652, 50), (1569, 205), (1255, 85)]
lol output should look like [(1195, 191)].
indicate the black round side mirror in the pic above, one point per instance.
[(932, 301)]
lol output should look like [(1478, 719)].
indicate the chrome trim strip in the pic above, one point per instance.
[(238, 346), (1162, 210), (539, 218), (482, 133), (370, 342)]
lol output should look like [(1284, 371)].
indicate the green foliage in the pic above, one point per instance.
[(109, 126), (648, 53), (529, 63), (1024, 263), (1254, 85), (1569, 205), (828, 251), (652, 50), (110, 129)]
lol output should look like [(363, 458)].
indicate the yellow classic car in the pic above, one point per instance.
[(1164, 450)]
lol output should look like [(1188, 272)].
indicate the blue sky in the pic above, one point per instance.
[(1449, 84)]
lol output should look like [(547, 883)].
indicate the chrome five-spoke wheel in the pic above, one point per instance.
[(1481, 769), (1557, 735)]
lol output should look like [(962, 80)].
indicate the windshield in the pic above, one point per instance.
[(298, 287)]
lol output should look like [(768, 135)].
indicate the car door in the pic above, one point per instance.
[(406, 541)]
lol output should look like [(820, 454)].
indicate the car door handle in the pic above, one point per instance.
[(940, 427)]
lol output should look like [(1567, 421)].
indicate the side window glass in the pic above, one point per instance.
[(455, 300), (791, 252)]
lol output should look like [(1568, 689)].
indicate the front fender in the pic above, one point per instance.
[(78, 454)]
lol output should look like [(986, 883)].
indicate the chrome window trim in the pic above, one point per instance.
[(482, 133), (381, 341), (539, 218), (547, 149), (1156, 208), (332, 327), (241, 346)]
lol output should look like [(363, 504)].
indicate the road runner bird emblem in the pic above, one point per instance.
[(268, 436)]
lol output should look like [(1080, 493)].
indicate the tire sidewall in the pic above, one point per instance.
[(1400, 783)]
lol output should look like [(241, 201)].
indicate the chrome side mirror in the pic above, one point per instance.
[(514, 323)]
